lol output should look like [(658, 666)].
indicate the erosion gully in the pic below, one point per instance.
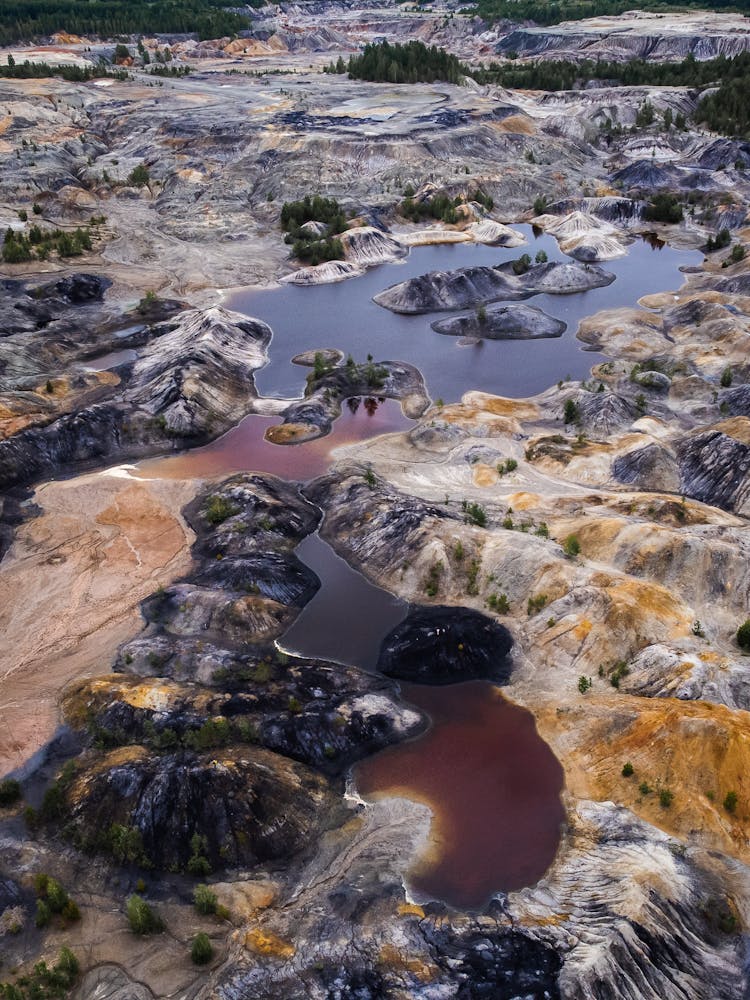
[(491, 782)]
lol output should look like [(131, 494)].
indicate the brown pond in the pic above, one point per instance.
[(244, 449), (493, 786)]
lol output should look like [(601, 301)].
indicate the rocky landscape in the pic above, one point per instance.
[(177, 778)]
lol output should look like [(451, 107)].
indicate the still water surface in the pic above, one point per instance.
[(343, 315), (492, 783)]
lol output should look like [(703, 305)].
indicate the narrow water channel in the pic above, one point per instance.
[(244, 449), (492, 783)]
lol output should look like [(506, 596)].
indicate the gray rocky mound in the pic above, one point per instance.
[(466, 287), (503, 322)]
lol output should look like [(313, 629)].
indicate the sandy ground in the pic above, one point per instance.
[(70, 589)]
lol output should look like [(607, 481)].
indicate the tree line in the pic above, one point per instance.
[(727, 110), (75, 74), (413, 62), (555, 11), (23, 20)]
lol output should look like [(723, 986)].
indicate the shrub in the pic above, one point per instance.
[(139, 176), (571, 546), (10, 792), (475, 514), (584, 683), (219, 509), (627, 770), (726, 378), (56, 896), (204, 899), (644, 788), (201, 951), (730, 801), (665, 798), (499, 603), (743, 635), (43, 914), (536, 604), (141, 917), (571, 413)]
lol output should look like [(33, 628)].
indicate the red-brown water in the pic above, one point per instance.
[(492, 783), (244, 449)]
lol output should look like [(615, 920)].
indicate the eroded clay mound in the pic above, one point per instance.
[(441, 645), (505, 322)]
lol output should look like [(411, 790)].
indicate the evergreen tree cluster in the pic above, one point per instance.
[(556, 75), (441, 207), (38, 244), (75, 74), (307, 246), (554, 11), (22, 20), (413, 62), (726, 111), (663, 207)]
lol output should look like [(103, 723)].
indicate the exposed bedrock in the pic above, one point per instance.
[(625, 911), (314, 415), (637, 35), (246, 804), (209, 729), (191, 383), (318, 713), (714, 468), (247, 585), (441, 645), (465, 287), (650, 468), (513, 322), (197, 378), (28, 307)]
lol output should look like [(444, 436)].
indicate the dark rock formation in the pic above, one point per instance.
[(736, 401), (194, 381), (441, 645), (649, 468), (247, 805), (648, 175), (324, 715), (514, 322), (94, 433), (315, 414), (466, 287), (25, 308), (714, 468)]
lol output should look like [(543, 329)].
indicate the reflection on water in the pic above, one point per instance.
[(492, 783), (348, 618), (343, 315), (106, 361), (244, 449)]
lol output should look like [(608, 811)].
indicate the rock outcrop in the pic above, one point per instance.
[(513, 322), (191, 383), (439, 645), (473, 286)]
